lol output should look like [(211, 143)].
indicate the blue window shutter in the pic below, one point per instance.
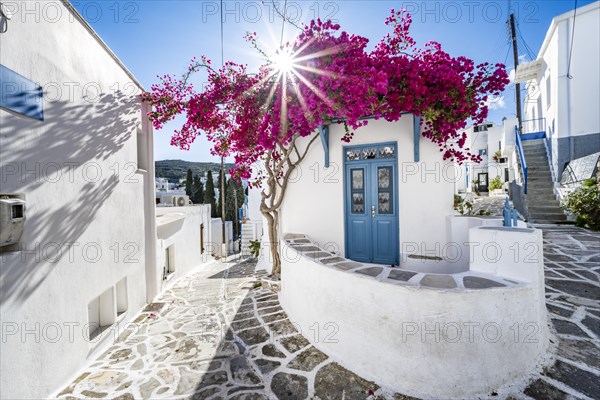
[(20, 95)]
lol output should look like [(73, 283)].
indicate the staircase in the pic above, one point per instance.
[(542, 205), (250, 231)]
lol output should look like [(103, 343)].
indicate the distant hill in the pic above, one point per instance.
[(174, 170)]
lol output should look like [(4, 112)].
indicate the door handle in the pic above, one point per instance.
[(373, 211)]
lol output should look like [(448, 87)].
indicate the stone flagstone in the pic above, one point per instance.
[(216, 337)]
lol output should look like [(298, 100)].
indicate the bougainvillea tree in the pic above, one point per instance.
[(325, 76)]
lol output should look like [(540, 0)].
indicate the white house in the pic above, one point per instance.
[(83, 249), (370, 249), (496, 145), (563, 87)]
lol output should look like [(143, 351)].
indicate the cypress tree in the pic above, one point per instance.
[(209, 195), (188, 183), (198, 191)]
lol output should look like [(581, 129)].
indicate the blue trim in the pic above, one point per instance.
[(369, 181), (324, 133), (20, 95), (416, 137), (533, 136), (521, 158)]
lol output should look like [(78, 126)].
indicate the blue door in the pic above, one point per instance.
[(371, 203)]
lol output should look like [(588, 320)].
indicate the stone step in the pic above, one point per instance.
[(545, 209), (539, 172), (541, 199), (543, 190), (535, 153), (530, 160), (539, 179), (537, 164), (536, 147), (547, 219), (533, 192)]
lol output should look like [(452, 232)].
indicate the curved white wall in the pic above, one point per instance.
[(406, 336)]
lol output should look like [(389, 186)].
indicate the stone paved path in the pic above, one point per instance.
[(572, 260), (215, 336)]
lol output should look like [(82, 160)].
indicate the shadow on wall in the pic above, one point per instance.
[(71, 136)]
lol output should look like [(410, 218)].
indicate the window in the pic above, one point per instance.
[(370, 153), (358, 190), (385, 197), (483, 152), (122, 300), (17, 211), (101, 313), (142, 145), (480, 128), (506, 175), (169, 264), (548, 91)]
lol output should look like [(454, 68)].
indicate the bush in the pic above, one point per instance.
[(465, 207), (585, 203), (495, 184), (255, 248)]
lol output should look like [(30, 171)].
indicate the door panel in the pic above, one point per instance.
[(371, 204), (358, 213)]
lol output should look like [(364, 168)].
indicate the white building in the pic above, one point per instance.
[(369, 241), (78, 164), (496, 145), (563, 87), (163, 185)]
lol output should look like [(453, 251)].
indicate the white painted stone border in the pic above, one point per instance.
[(403, 335)]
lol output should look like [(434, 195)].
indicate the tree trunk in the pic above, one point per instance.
[(278, 176), (272, 224)]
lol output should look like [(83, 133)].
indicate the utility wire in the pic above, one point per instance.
[(222, 57), (524, 44), (572, 36), (283, 23)]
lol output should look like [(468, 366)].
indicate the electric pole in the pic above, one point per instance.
[(513, 34), (237, 212), (223, 201)]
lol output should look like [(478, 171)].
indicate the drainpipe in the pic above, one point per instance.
[(570, 122)]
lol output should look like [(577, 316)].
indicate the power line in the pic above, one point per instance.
[(222, 55), (283, 23), (572, 36)]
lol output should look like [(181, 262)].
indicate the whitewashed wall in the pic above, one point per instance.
[(571, 116), (440, 343), (314, 204), (183, 234), (86, 208)]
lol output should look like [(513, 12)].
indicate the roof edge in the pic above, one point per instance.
[(559, 18), (91, 30)]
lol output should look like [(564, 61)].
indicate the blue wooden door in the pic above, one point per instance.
[(371, 204)]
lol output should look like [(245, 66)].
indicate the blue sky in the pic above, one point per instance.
[(157, 37)]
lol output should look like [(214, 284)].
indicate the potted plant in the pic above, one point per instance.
[(497, 155)]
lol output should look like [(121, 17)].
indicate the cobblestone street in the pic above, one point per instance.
[(215, 336)]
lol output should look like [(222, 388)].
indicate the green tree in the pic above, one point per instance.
[(197, 191), (189, 183), (209, 195), (230, 210)]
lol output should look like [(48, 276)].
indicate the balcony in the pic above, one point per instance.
[(533, 129)]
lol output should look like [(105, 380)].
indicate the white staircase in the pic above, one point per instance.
[(251, 230)]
